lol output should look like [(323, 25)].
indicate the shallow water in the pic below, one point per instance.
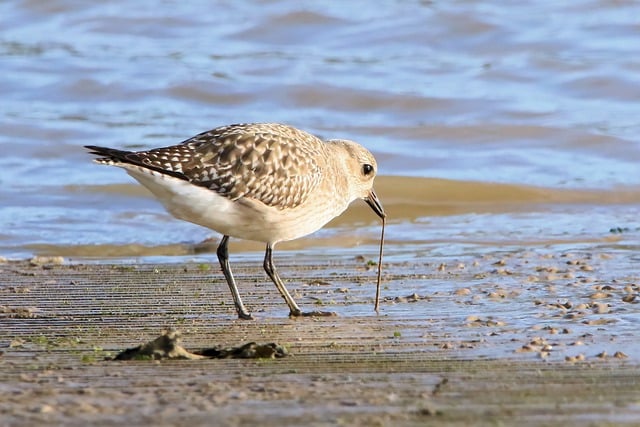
[(493, 124)]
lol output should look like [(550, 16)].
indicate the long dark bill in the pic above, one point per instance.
[(373, 201)]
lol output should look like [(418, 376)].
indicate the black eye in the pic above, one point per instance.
[(367, 169)]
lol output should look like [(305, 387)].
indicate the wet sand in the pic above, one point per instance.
[(522, 338)]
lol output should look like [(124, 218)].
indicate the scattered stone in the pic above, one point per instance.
[(601, 308), (538, 341), (599, 295), (476, 321), (413, 297), (598, 322), (429, 411), (319, 283), (525, 349), (576, 358), (575, 315), (45, 409), (409, 298)]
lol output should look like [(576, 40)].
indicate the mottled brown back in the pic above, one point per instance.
[(273, 163)]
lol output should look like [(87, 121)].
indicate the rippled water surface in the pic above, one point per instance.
[(494, 124)]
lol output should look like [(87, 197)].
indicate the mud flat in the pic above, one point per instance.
[(520, 338)]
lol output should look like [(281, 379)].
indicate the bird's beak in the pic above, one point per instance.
[(372, 200)]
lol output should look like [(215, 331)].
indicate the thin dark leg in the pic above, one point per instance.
[(223, 257), (294, 310), (270, 268)]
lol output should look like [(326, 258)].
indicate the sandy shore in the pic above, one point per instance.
[(515, 338)]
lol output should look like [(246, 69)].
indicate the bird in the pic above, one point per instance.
[(266, 182)]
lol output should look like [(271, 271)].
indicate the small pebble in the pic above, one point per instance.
[(576, 358), (598, 322), (538, 341), (525, 349), (45, 409), (601, 308), (629, 298)]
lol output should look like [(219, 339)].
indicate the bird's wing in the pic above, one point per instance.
[(273, 163)]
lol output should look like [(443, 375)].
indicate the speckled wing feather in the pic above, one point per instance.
[(241, 161)]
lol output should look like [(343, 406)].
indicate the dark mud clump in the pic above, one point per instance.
[(167, 346)]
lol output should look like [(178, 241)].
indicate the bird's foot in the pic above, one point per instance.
[(245, 316)]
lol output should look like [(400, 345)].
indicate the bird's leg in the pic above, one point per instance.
[(223, 257), (270, 268), (294, 310)]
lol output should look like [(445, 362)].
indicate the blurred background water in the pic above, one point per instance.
[(493, 123)]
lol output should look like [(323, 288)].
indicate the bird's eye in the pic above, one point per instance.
[(367, 169)]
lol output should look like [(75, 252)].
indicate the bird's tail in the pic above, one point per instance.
[(109, 154)]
